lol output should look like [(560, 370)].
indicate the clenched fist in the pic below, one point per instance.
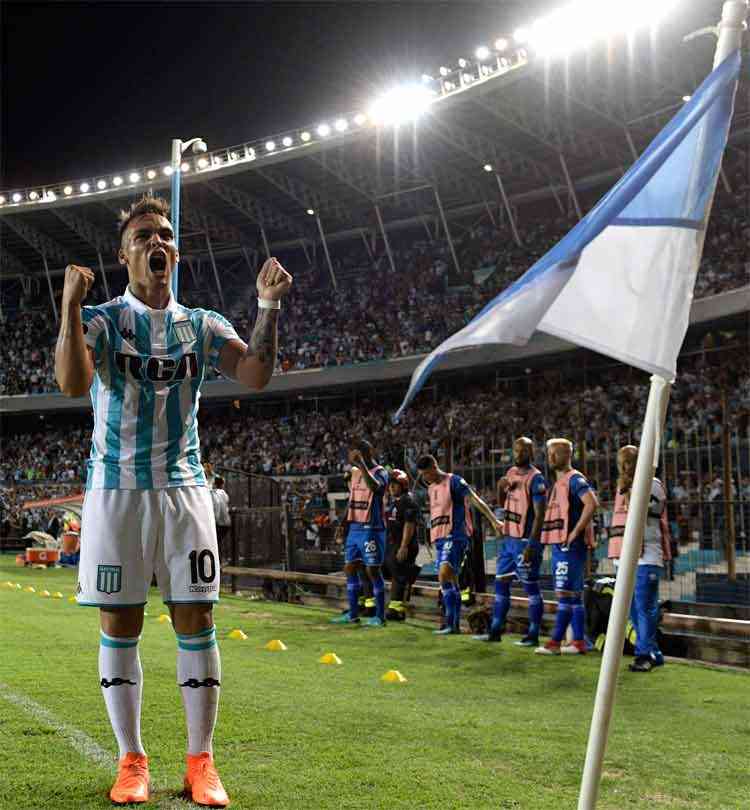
[(78, 282), (273, 281)]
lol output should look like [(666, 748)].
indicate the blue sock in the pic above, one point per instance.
[(352, 592), (578, 619), (562, 618), (446, 589), (536, 608), (501, 606), (378, 591), (456, 607)]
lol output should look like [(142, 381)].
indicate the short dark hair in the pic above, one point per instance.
[(218, 481), (426, 462), (362, 445), (146, 205)]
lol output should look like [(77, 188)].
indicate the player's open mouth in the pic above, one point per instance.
[(157, 262)]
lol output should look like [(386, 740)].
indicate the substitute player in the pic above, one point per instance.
[(568, 528), (147, 509), (522, 492), (656, 548), (364, 530), (451, 499), (403, 548)]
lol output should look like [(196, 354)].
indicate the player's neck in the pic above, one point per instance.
[(155, 298), (563, 471)]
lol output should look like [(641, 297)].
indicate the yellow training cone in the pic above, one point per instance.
[(72, 600), (45, 593), (393, 676), (329, 658), (18, 586), (238, 634), (8, 584), (165, 618), (57, 595), (277, 645), (30, 589)]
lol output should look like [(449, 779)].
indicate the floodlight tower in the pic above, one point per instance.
[(178, 150)]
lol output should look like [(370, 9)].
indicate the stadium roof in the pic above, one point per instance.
[(546, 129)]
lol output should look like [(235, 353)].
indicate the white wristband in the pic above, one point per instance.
[(266, 303)]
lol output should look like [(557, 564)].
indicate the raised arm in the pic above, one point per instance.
[(253, 363), (486, 511), (74, 360)]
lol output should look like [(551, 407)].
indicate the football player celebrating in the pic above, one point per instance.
[(147, 510)]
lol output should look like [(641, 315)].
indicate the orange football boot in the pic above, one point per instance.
[(202, 781), (131, 785)]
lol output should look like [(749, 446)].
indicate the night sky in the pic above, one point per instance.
[(89, 88)]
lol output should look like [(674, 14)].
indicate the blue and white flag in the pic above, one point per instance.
[(621, 282)]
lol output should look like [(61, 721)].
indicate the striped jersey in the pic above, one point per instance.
[(149, 365)]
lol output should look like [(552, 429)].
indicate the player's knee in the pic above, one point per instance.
[(351, 568), (188, 619), (374, 572), (125, 622)]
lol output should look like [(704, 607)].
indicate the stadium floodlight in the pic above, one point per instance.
[(501, 44), (250, 153), (487, 167), (184, 167), (323, 130), (482, 52), (286, 141), (401, 104), (305, 136), (360, 119), (310, 212), (68, 190), (50, 196), (202, 163), (270, 146), (468, 78), (134, 177), (168, 170), (2, 200), (84, 187), (582, 22), (17, 198), (426, 78), (463, 63), (151, 174), (33, 195), (101, 184), (686, 98), (444, 71), (521, 35), (117, 180), (341, 125)]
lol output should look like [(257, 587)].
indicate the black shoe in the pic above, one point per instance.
[(642, 663), (527, 641)]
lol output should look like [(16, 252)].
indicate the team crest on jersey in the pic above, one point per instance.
[(184, 331), (109, 578)]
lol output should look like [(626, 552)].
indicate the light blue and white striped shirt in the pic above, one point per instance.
[(149, 368)]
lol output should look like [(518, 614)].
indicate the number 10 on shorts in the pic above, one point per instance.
[(202, 571)]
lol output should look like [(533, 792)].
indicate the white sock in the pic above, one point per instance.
[(122, 686), (198, 675)]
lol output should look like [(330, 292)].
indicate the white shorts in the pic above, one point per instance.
[(128, 535)]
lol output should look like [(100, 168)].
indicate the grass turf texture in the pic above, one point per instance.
[(477, 725)]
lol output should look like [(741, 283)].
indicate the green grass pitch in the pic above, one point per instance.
[(476, 725)]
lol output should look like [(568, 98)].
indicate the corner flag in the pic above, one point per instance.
[(621, 282)]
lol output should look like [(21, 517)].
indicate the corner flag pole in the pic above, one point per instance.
[(729, 39), (175, 207)]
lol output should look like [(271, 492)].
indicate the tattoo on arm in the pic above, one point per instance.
[(264, 339)]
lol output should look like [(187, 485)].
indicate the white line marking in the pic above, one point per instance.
[(81, 742)]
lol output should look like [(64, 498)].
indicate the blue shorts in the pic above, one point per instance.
[(366, 545), (450, 551), (569, 567), (510, 560)]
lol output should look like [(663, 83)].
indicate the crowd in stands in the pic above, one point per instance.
[(376, 314)]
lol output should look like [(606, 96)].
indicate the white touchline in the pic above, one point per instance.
[(78, 740)]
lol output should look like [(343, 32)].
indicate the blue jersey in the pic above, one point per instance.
[(538, 491), (459, 491), (149, 366), (377, 513), (579, 486)]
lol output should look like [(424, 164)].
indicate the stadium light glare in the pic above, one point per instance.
[(360, 119), (444, 71), (202, 163), (426, 78), (487, 167), (467, 77), (17, 198), (33, 195), (167, 170), (286, 141), (323, 130), (68, 190), (270, 146), (521, 35), (305, 136), (250, 153), (582, 22), (184, 167), (117, 180), (686, 98), (401, 104), (463, 63), (2, 200), (84, 187), (50, 196), (134, 177), (482, 52), (310, 212), (341, 125), (151, 174), (501, 44), (101, 184)]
